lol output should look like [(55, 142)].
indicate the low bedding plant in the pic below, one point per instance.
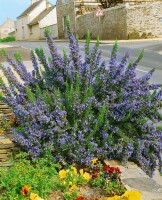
[(84, 108), (36, 179)]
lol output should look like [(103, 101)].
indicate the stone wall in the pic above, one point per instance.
[(7, 147), (125, 21), (65, 9), (110, 26), (144, 20)]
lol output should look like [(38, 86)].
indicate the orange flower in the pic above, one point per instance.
[(12, 117), (25, 190)]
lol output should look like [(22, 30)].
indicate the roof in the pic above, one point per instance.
[(41, 15), (29, 9)]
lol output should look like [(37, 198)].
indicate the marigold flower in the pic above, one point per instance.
[(25, 190), (62, 173)]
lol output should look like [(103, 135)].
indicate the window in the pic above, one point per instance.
[(64, 22), (30, 29)]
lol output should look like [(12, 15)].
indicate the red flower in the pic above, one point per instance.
[(118, 170), (79, 198), (106, 168), (97, 170), (94, 176)]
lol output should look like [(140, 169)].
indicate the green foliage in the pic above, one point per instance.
[(27, 173), (115, 187), (8, 39), (30, 95)]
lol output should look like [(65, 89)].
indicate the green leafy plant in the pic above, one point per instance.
[(8, 39), (29, 174)]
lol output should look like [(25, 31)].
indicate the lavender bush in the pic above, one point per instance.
[(84, 108)]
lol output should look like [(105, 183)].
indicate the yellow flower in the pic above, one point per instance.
[(115, 198), (81, 172), (62, 173), (35, 197), (95, 161), (74, 169), (128, 195), (72, 187), (132, 195), (87, 176)]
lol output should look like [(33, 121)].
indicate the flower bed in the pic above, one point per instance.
[(27, 180)]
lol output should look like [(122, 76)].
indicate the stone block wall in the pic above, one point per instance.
[(144, 20), (7, 147), (125, 21), (110, 26), (65, 9)]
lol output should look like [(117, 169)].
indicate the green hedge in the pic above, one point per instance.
[(8, 39)]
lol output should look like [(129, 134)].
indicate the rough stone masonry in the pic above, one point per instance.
[(125, 21)]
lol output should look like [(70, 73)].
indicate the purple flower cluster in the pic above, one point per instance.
[(85, 108)]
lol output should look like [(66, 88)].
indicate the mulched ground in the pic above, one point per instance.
[(25, 53)]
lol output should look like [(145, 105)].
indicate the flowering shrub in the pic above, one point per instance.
[(84, 108)]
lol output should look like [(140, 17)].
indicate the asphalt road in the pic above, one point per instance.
[(152, 57)]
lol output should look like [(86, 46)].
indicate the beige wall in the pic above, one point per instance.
[(7, 27), (53, 29), (63, 10), (22, 29), (35, 32)]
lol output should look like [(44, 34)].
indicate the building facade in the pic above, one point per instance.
[(6, 28), (31, 23)]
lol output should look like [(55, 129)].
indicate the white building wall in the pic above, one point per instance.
[(40, 8), (49, 19)]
